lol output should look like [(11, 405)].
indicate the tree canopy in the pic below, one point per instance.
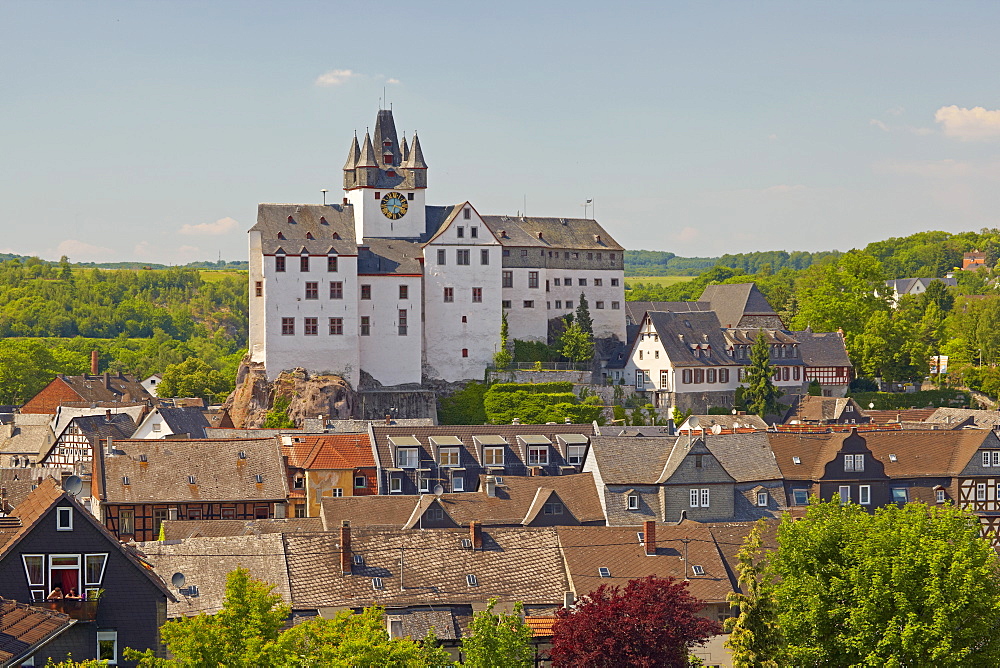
[(904, 586), (498, 639), (760, 394), (651, 622)]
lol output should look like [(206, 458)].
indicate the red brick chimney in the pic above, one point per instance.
[(346, 558), (93, 362), (649, 537), (476, 534), (107, 380)]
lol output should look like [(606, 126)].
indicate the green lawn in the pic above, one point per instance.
[(211, 275), (655, 280)]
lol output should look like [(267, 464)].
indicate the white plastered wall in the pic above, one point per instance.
[(369, 221), (390, 358)]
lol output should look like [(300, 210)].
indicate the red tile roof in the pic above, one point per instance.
[(540, 626), (328, 451)]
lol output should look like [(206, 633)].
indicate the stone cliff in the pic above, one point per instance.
[(308, 395)]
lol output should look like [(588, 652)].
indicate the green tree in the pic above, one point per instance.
[(498, 639), (503, 357), (583, 316), (760, 394), (277, 417), (576, 344), (815, 389), (751, 638), (464, 406), (193, 378), (680, 416), (906, 586)]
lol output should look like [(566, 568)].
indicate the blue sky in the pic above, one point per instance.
[(151, 130)]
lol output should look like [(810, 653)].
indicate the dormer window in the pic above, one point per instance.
[(309, 235), (387, 158)]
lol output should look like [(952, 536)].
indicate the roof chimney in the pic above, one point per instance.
[(476, 534), (491, 485), (107, 380), (111, 446), (346, 558), (539, 235), (93, 362), (388, 419), (649, 537), (107, 415)]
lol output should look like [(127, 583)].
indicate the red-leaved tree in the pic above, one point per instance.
[(651, 622)]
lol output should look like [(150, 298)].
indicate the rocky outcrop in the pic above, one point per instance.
[(308, 396)]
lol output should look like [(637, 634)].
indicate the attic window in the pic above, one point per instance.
[(698, 570), (641, 536), (280, 235), (796, 460), (142, 457), (243, 454), (467, 543), (377, 583), (309, 235), (190, 479), (125, 480), (322, 220), (290, 220), (471, 580), (260, 478), (892, 457), (359, 560), (604, 572)]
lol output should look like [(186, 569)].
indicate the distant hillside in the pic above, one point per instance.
[(663, 263), (201, 264)]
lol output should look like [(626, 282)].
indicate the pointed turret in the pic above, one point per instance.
[(368, 158), (386, 144), (404, 148), (415, 162), (353, 155)]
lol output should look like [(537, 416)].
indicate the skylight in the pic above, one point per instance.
[(892, 457), (471, 580), (377, 583), (641, 536), (698, 570), (359, 560), (190, 479), (796, 460), (604, 572), (467, 543)]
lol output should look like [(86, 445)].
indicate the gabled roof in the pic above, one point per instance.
[(24, 629), (822, 348), (635, 310), (220, 473), (39, 504), (735, 301), (630, 460), (103, 388), (681, 334), (823, 409), (327, 451), (27, 440), (746, 457), (561, 233), (332, 228), (184, 529), (618, 549), (186, 420), (514, 564), (952, 416), (97, 428), (905, 286)]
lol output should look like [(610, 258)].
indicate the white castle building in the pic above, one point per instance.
[(384, 283)]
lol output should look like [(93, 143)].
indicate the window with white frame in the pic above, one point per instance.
[(981, 491), (395, 485), (449, 456), (854, 462), (845, 494), (865, 495), (800, 497), (360, 482), (107, 647), (64, 518), (762, 499), (633, 502), (406, 458), (694, 497), (575, 453), (986, 458), (996, 457), (704, 498), (939, 496), (458, 484), (538, 455), (899, 495), (664, 380), (493, 455), (34, 569), (425, 484)]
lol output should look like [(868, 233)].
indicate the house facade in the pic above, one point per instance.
[(322, 466), (332, 286)]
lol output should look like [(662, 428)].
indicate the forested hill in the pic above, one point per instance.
[(663, 263)]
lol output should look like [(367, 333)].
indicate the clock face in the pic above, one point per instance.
[(394, 206)]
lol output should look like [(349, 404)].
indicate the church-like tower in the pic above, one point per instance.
[(385, 180)]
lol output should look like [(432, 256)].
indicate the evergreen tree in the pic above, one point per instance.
[(583, 316), (760, 395), (751, 638), (502, 357)]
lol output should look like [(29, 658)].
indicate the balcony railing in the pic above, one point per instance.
[(83, 611)]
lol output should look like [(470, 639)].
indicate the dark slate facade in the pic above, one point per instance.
[(132, 605)]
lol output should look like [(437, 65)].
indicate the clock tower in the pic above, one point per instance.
[(386, 180)]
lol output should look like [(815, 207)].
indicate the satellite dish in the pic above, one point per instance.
[(438, 490), (694, 422), (716, 429), (72, 485), (177, 580)]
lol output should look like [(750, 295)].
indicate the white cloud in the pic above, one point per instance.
[(335, 78), (392, 81), (969, 124), (221, 226), (686, 234), (899, 128), (81, 251), (879, 124)]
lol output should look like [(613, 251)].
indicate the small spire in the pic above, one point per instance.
[(404, 148), (415, 159), (353, 154), (367, 158)]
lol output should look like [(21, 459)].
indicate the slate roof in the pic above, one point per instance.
[(336, 233), (618, 549), (569, 233), (119, 388), (390, 256), (470, 453), (706, 422), (206, 561), (66, 413), (39, 503), (183, 529), (746, 457), (518, 500), (980, 418), (904, 286), (823, 409), (514, 564), (822, 348), (327, 451), (918, 453), (220, 473), (634, 311), (97, 428), (732, 303), (417, 622), (679, 331), (186, 420), (630, 460), (24, 629), (901, 415), (18, 483), (27, 440)]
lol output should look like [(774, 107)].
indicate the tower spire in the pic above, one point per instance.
[(353, 154), (367, 158), (415, 158)]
